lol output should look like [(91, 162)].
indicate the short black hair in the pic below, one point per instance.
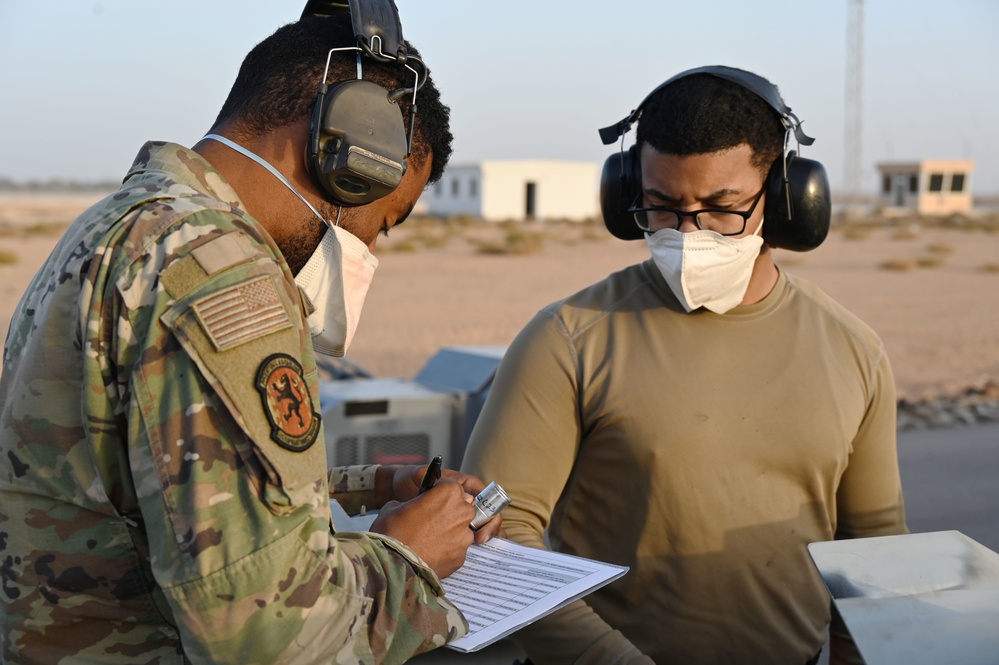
[(277, 85), (701, 113)]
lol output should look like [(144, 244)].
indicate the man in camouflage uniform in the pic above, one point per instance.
[(163, 495)]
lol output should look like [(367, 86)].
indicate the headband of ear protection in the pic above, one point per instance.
[(798, 201), (358, 143)]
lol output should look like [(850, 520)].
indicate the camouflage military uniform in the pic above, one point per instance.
[(163, 496)]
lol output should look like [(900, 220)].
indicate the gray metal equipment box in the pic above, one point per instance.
[(385, 421), (466, 372)]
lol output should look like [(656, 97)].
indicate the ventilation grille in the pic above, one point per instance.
[(408, 448)]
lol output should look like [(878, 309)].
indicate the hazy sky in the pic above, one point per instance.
[(83, 84)]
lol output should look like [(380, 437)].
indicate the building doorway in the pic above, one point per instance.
[(900, 193), (530, 198)]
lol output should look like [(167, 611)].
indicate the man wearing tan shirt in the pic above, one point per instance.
[(702, 416)]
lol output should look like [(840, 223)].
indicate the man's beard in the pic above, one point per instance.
[(301, 243), (308, 233)]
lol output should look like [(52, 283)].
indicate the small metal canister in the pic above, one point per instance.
[(489, 502)]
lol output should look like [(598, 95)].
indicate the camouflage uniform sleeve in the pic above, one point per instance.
[(353, 486), (227, 458)]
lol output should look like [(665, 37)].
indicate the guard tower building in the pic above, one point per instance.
[(926, 187)]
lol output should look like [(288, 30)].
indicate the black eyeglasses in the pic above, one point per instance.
[(723, 222)]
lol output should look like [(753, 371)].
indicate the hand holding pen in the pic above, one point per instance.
[(434, 524), (488, 503), (410, 481)]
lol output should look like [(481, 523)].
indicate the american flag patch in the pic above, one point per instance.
[(242, 313)]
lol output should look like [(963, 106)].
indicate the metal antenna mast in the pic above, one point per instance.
[(853, 147)]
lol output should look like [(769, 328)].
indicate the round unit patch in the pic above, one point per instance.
[(287, 402)]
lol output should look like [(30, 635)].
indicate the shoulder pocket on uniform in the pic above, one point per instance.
[(237, 328)]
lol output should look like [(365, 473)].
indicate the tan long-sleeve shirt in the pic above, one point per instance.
[(704, 451)]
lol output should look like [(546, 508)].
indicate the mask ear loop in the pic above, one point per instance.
[(273, 171)]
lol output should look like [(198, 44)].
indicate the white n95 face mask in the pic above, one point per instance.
[(704, 268), (336, 279)]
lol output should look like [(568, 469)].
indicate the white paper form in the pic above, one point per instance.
[(504, 586)]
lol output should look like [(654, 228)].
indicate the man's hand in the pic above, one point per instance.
[(403, 483), (433, 524)]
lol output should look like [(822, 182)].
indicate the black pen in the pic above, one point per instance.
[(433, 474)]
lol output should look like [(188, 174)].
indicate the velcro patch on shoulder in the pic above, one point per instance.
[(242, 313), (224, 252)]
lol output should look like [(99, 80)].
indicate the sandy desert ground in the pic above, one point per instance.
[(931, 291)]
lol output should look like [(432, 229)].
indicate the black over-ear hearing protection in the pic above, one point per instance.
[(358, 140), (798, 203)]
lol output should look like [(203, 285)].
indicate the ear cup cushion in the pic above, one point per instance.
[(357, 143), (797, 213), (620, 186)]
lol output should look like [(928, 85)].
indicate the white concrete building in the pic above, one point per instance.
[(516, 190), (927, 187)]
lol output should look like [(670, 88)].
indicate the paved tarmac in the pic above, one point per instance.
[(950, 478)]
